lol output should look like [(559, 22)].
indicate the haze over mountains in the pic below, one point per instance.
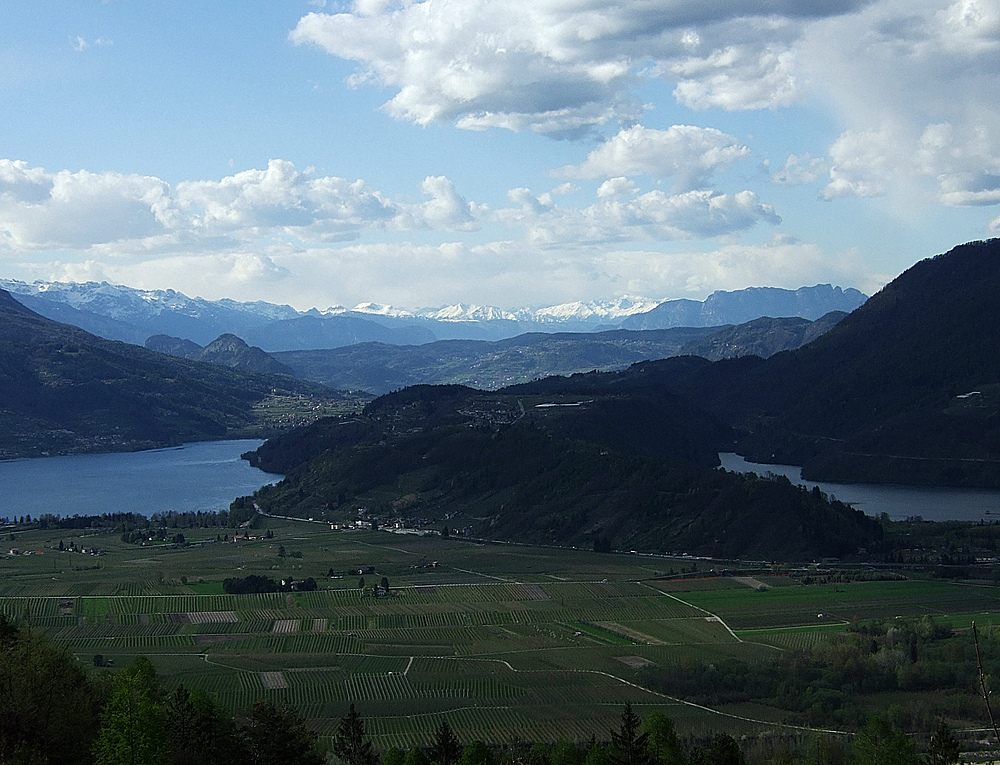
[(131, 315), (380, 367)]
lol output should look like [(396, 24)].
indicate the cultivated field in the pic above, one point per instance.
[(508, 642)]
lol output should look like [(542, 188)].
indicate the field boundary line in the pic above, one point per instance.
[(226, 666), (797, 627), (715, 617), (674, 699), (487, 576), (679, 600), (408, 665)]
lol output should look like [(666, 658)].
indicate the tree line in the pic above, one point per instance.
[(845, 679), (255, 583)]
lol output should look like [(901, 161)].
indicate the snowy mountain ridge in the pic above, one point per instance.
[(125, 303), (133, 315)]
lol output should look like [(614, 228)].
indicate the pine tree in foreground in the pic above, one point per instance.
[(944, 748), (446, 749), (350, 743), (628, 745)]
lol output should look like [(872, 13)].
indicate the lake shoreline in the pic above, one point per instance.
[(899, 502)]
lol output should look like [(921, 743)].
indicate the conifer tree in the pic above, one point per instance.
[(276, 735), (48, 709), (476, 753), (878, 743), (725, 751), (350, 743), (394, 756), (201, 731), (663, 744), (446, 749), (416, 756), (628, 745), (944, 748)]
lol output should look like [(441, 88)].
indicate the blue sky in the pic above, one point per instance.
[(516, 153)]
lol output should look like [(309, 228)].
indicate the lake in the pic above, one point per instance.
[(204, 476), (207, 476), (899, 502)]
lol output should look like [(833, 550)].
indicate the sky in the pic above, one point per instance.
[(515, 153)]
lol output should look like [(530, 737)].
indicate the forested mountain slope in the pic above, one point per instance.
[(607, 471), (65, 390), (905, 389)]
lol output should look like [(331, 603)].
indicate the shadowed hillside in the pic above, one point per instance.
[(65, 390), (905, 389)]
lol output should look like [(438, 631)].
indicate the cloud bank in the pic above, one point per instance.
[(41, 210)]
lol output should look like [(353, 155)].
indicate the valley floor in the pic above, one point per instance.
[(505, 642)]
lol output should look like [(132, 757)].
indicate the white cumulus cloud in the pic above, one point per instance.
[(862, 164), (281, 198), (622, 214), (912, 82), (446, 209), (800, 169), (738, 77), (113, 211), (46, 210), (686, 153)]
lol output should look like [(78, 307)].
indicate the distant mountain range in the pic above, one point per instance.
[(132, 315), (741, 306), (379, 368)]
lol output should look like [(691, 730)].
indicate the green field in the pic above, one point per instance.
[(508, 642)]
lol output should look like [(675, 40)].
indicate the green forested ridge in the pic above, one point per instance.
[(656, 425), (435, 456), (762, 337), (886, 381), (231, 351), (65, 390), (594, 458)]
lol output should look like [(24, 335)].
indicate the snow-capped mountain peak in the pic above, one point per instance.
[(467, 312), (378, 309), (594, 310)]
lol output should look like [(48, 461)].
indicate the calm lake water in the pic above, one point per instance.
[(204, 476), (899, 502)]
